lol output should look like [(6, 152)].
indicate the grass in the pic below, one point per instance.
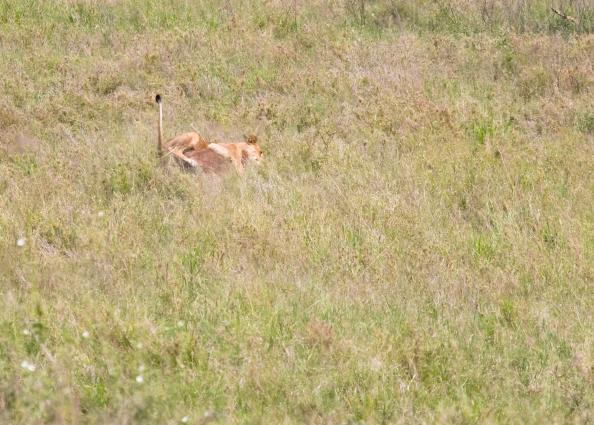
[(418, 246)]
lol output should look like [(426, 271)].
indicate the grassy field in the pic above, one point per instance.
[(417, 247)]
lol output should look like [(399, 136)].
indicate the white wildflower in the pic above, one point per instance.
[(185, 419), (20, 242), (28, 366), (85, 334), (26, 332), (140, 379)]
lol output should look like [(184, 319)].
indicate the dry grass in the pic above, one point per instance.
[(417, 248)]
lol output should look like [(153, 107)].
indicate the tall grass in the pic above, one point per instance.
[(418, 246), (468, 17)]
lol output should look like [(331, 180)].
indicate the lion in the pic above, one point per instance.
[(194, 151)]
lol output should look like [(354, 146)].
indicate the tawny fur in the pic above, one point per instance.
[(195, 151), (239, 153), (210, 162)]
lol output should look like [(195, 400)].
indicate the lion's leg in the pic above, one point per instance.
[(228, 151), (178, 153), (238, 165), (178, 145)]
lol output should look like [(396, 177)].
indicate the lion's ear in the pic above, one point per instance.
[(250, 138)]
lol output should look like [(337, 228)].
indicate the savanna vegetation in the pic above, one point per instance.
[(417, 247)]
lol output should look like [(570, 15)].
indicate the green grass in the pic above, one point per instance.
[(417, 247)]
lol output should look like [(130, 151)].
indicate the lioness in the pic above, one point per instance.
[(195, 151)]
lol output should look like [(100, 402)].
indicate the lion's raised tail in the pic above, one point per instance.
[(160, 126)]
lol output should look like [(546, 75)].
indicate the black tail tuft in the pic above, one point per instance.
[(158, 98)]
